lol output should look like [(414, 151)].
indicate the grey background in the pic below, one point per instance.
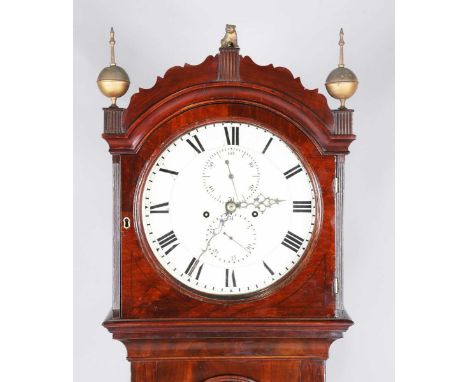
[(153, 36)]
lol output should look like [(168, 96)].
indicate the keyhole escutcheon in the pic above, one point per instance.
[(126, 222)]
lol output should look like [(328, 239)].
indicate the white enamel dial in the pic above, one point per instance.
[(228, 209)]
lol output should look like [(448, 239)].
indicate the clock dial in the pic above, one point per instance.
[(228, 209)]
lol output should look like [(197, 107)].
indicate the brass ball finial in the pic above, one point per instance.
[(113, 81), (341, 83)]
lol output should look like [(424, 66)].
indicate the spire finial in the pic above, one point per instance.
[(341, 83), (112, 44), (341, 44), (113, 80)]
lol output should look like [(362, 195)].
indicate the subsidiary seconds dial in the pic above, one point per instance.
[(231, 173), (228, 209)]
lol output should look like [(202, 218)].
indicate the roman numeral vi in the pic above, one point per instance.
[(230, 276)]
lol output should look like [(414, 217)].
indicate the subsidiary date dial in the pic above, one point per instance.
[(234, 242), (228, 209)]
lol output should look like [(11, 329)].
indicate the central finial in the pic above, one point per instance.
[(112, 44), (230, 38), (228, 58), (341, 44)]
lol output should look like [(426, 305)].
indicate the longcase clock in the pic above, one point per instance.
[(228, 197)]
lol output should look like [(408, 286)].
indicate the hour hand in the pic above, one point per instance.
[(261, 203)]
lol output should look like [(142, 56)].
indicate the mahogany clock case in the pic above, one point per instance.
[(191, 96), (172, 333)]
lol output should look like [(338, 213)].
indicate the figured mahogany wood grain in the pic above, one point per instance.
[(229, 371)]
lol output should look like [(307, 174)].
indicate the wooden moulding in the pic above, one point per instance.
[(159, 329), (222, 339), (228, 350)]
